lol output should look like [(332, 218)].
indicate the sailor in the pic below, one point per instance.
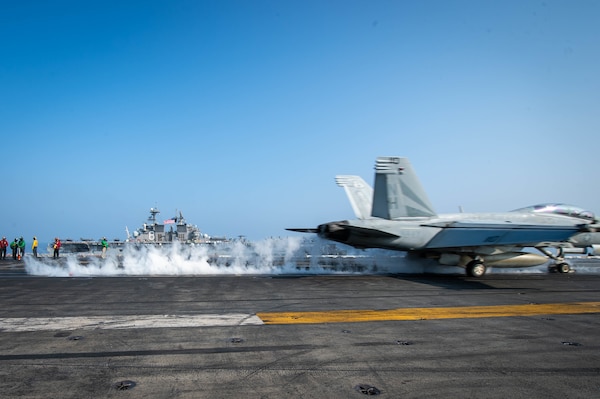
[(34, 247), (21, 245), (104, 247), (56, 248), (3, 246), (14, 246)]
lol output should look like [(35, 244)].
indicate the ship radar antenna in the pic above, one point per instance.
[(153, 213)]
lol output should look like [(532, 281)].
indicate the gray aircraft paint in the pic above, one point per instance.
[(402, 218)]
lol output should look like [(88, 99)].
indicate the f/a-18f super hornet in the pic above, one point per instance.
[(397, 215), (360, 195)]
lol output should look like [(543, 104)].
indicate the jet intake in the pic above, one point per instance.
[(595, 250)]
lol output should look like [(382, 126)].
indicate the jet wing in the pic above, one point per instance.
[(471, 234)]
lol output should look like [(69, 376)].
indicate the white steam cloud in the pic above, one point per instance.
[(274, 256)]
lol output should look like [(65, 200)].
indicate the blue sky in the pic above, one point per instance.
[(240, 113)]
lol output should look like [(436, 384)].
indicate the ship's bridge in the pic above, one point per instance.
[(560, 209)]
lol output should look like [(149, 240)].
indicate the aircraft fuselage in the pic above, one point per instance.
[(450, 231)]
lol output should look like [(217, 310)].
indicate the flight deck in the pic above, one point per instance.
[(309, 336)]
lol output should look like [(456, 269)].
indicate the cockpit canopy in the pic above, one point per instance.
[(560, 209)]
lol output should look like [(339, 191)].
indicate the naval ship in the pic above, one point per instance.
[(175, 229), (170, 231)]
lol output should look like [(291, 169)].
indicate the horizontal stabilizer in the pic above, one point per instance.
[(304, 230)]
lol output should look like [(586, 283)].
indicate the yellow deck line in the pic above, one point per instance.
[(354, 316)]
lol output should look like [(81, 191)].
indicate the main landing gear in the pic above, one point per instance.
[(561, 267), (476, 268)]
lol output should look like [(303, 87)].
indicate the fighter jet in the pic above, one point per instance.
[(402, 218), (360, 195)]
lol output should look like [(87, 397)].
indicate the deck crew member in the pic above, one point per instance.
[(104, 247), (3, 246), (34, 247)]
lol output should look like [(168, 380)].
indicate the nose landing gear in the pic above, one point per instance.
[(560, 265)]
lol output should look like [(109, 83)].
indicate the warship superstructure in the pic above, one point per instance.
[(171, 230), (175, 229)]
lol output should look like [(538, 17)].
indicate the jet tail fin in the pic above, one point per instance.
[(359, 193), (398, 191)]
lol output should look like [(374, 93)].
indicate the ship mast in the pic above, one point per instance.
[(152, 217)]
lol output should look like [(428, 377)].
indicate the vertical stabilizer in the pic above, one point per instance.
[(398, 192), (359, 193)]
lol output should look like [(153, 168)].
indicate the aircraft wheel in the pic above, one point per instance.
[(563, 267), (476, 268)]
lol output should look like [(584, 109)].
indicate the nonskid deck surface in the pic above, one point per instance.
[(312, 336)]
